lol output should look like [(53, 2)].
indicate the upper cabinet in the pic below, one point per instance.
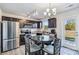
[(9, 18), (52, 23)]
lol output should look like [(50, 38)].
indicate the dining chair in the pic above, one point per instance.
[(30, 47), (53, 49), (49, 42)]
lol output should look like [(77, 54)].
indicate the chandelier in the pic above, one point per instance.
[(50, 11)]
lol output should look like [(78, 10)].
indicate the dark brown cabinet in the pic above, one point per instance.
[(10, 18), (39, 24), (6, 18), (52, 23)]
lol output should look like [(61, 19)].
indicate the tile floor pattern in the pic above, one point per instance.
[(66, 51), (21, 51)]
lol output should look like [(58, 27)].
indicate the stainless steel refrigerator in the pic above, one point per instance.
[(9, 35)]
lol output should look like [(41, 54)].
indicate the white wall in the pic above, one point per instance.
[(0, 32), (0, 14)]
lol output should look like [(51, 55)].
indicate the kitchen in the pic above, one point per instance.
[(14, 27)]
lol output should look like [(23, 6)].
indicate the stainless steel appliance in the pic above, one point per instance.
[(9, 35)]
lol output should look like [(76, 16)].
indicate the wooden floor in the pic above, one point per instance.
[(21, 51)]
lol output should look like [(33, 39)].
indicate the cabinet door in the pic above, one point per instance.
[(52, 23), (6, 18), (38, 25)]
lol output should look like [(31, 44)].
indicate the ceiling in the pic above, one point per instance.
[(24, 9)]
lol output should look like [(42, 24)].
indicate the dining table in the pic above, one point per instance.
[(43, 39)]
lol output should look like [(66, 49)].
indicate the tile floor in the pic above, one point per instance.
[(21, 51), (66, 51)]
